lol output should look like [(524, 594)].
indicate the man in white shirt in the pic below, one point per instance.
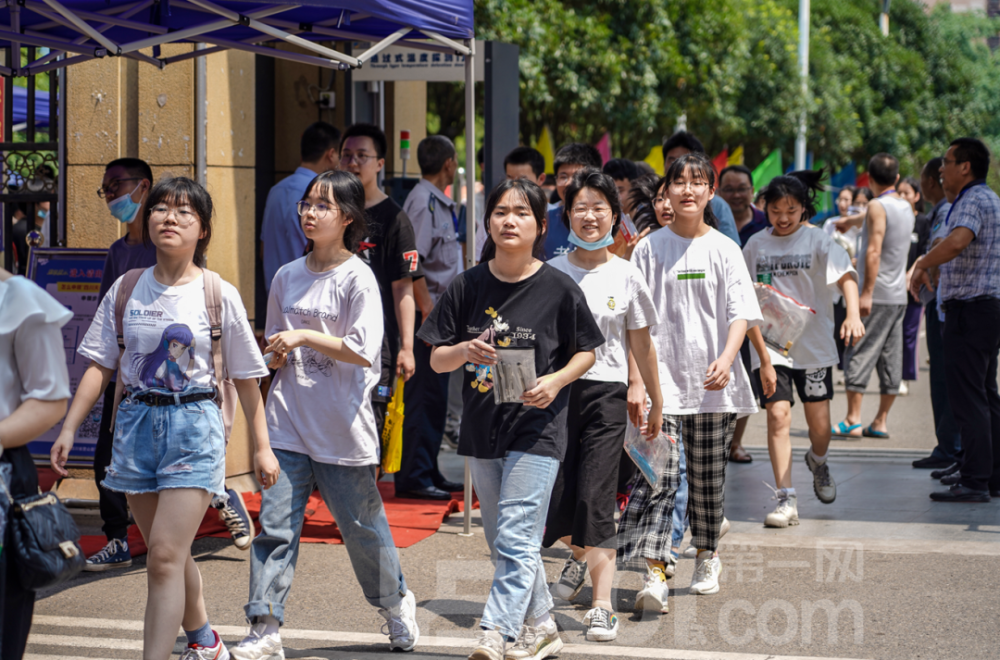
[(435, 227), (281, 237)]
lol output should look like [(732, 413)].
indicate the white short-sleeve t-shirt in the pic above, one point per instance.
[(700, 286), (805, 266), (619, 299), (168, 340), (319, 406)]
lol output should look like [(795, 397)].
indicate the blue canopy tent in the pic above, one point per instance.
[(21, 108)]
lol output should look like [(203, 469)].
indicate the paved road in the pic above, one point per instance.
[(881, 573)]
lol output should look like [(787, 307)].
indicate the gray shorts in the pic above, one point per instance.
[(881, 348)]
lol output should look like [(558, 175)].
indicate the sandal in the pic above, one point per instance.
[(843, 429), (739, 455), (869, 432)]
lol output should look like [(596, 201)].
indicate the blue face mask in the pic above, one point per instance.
[(124, 208), (607, 241), (43, 214)]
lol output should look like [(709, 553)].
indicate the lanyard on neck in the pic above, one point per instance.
[(966, 189), (887, 192)]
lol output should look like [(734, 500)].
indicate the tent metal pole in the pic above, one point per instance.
[(15, 45), (19, 38), (197, 30), (201, 117), (194, 54), (459, 48), (271, 52), (59, 64), (382, 45), (126, 12), (83, 26), (107, 20), (470, 222)]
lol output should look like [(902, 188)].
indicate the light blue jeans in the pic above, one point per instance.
[(513, 496), (680, 521), (352, 496)]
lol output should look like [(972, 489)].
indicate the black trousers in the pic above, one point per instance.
[(971, 345), (114, 507), (426, 399), (17, 604)]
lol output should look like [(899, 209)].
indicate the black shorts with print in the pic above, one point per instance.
[(813, 385)]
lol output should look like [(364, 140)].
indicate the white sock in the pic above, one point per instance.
[(789, 491), (816, 457), (271, 624), (542, 621)]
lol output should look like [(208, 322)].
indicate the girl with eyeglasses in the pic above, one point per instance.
[(324, 328), (583, 503), (514, 301), (704, 302), (169, 442)]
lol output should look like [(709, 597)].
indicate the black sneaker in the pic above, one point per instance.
[(951, 469), (237, 519), (114, 555), (571, 580), (959, 493), (951, 479), (932, 463)]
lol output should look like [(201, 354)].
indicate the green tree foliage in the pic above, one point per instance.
[(634, 67)]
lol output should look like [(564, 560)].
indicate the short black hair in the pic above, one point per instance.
[(883, 169), (641, 196), (134, 166), (804, 186), (697, 163), (620, 168), (975, 153), (369, 131), (603, 183), (644, 168), (177, 191), (433, 152), (912, 182), (933, 167), (863, 190), (319, 138), (533, 195), (683, 139), (577, 153), (345, 190), (526, 156), (742, 169)]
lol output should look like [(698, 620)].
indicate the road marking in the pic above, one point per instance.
[(881, 545), (365, 638), (789, 564)]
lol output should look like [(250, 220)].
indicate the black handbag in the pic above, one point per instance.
[(43, 540)]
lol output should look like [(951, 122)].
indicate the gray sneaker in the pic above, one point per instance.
[(571, 580), (785, 513), (823, 484)]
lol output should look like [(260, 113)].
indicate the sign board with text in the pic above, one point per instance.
[(403, 63)]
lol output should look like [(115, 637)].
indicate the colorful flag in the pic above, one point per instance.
[(736, 158), (863, 180), (544, 146), (769, 168), (720, 161), (603, 147), (655, 160), (847, 176)]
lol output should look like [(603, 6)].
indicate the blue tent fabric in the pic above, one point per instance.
[(21, 107), (372, 18)]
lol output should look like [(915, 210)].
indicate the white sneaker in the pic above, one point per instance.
[(197, 652), (786, 512), (258, 646), (603, 625), (489, 647), (401, 624), (706, 574), (653, 595), (536, 643), (571, 580), (904, 388), (670, 566), (692, 552), (823, 484)]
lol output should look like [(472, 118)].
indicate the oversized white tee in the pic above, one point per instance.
[(168, 340), (806, 266), (619, 299), (319, 406), (700, 287)]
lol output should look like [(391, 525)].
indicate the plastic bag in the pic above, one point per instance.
[(392, 432), (514, 374), (650, 456), (785, 318)]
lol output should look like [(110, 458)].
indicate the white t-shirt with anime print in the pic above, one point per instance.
[(319, 406), (700, 286), (168, 340), (806, 266)]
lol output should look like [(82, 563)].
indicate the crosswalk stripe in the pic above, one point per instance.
[(37, 656), (373, 639)]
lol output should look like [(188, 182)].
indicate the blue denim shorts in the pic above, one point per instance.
[(160, 447)]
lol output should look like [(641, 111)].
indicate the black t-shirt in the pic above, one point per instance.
[(19, 241), (547, 312), (918, 243), (391, 251)]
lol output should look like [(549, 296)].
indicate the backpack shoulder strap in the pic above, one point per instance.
[(213, 304), (125, 289)]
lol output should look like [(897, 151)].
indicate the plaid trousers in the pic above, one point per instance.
[(644, 530)]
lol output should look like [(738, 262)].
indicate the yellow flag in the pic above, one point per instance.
[(544, 146), (736, 158), (655, 160)]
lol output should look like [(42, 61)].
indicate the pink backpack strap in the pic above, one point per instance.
[(213, 304), (125, 289)]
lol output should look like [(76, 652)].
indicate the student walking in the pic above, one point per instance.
[(324, 325), (704, 301), (514, 301), (805, 264), (172, 352), (582, 507)]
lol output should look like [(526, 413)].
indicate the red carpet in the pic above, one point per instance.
[(410, 521)]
